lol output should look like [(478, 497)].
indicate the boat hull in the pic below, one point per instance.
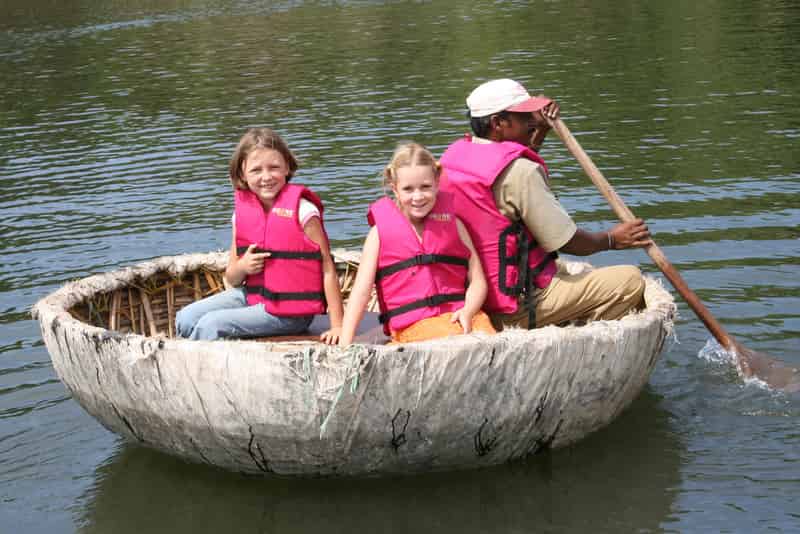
[(304, 408)]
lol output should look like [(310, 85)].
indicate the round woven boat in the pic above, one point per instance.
[(293, 406)]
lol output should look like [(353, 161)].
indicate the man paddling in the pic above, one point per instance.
[(518, 226)]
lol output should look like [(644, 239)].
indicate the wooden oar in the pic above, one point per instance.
[(773, 372)]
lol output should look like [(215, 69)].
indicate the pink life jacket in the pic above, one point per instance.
[(418, 279), (291, 282), (509, 254)]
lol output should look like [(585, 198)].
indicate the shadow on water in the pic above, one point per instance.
[(627, 474)]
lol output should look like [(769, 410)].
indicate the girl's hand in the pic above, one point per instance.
[(464, 318), (331, 337), (253, 262)]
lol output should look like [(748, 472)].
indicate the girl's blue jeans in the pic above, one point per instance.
[(227, 314)]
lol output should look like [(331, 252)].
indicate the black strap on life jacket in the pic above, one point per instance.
[(287, 295), (525, 275), (427, 302), (518, 260), (433, 300), (283, 254), (421, 259)]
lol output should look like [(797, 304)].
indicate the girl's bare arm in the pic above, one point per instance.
[(330, 281), (477, 288), (362, 287)]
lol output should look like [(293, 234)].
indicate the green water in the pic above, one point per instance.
[(117, 120)]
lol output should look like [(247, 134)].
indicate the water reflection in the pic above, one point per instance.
[(117, 119), (625, 475)]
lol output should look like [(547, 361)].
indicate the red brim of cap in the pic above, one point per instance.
[(534, 103)]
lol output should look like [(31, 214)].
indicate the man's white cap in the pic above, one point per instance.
[(502, 95)]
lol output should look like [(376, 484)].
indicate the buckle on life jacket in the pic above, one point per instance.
[(423, 259)]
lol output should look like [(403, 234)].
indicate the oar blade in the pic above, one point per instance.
[(773, 372)]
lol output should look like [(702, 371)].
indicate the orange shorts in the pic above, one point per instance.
[(440, 326)]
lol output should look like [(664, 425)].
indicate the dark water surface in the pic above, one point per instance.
[(116, 124)]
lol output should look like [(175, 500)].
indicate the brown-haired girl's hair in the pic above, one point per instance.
[(254, 139), (409, 154)]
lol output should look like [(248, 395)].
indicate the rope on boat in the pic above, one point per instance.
[(307, 364), (359, 357)]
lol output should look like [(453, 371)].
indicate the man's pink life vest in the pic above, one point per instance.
[(509, 254), (418, 279), (291, 282)]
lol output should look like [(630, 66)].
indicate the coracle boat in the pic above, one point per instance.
[(293, 406)]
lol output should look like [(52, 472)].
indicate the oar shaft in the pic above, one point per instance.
[(652, 250)]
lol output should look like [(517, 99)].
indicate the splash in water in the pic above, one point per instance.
[(716, 353)]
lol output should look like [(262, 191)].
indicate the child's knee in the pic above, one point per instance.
[(192, 325), (209, 327), (184, 323)]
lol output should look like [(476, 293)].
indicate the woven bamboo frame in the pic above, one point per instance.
[(148, 305)]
